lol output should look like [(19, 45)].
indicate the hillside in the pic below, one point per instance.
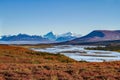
[(97, 36), (14, 54), (17, 63)]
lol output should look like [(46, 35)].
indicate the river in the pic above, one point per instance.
[(79, 53)]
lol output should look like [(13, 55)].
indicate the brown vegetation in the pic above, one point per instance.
[(18, 63), (115, 47), (13, 54), (36, 45)]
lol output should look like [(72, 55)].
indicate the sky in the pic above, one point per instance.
[(37, 17)]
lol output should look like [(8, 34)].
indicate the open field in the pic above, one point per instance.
[(17, 63)]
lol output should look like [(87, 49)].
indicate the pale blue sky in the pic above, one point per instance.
[(41, 16)]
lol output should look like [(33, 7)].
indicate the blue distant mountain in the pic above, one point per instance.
[(50, 36), (23, 37), (70, 38), (47, 38), (66, 37), (60, 38)]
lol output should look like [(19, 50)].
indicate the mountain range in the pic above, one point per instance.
[(23, 37), (50, 37), (68, 38)]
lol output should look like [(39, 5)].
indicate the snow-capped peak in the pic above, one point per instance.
[(69, 34), (50, 36), (66, 34)]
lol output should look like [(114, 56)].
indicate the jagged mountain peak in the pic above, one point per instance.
[(50, 36), (50, 33)]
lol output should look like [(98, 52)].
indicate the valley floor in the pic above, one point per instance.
[(17, 63)]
